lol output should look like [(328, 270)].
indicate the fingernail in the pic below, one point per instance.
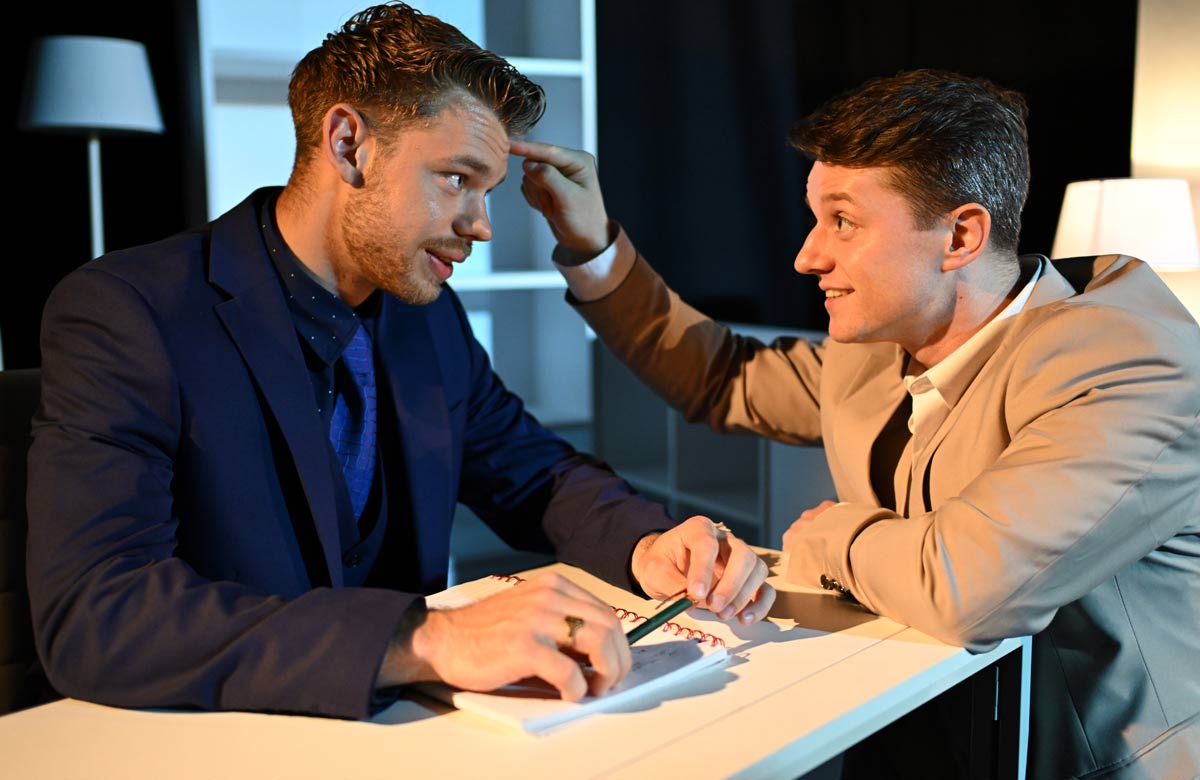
[(717, 603), (747, 618), (700, 590), (726, 613)]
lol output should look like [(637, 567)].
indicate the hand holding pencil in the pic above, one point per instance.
[(716, 570)]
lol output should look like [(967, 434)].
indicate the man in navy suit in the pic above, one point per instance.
[(253, 436)]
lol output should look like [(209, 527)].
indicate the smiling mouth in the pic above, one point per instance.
[(836, 293)]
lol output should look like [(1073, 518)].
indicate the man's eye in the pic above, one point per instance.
[(842, 223), (455, 180)]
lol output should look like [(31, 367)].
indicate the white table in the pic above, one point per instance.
[(819, 676)]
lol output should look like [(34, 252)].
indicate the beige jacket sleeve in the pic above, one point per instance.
[(734, 384)]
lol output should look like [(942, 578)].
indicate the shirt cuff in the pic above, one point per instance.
[(596, 278)]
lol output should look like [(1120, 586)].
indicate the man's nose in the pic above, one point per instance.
[(473, 222), (812, 259)]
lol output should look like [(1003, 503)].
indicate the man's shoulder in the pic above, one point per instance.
[(1121, 327), (1118, 303), (167, 268), (150, 260), (178, 262)]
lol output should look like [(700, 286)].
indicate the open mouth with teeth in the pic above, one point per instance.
[(836, 293)]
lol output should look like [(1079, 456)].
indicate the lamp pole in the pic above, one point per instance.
[(94, 189)]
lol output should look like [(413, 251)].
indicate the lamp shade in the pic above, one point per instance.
[(85, 84), (1150, 219)]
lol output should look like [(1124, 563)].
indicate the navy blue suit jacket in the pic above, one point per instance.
[(183, 538)]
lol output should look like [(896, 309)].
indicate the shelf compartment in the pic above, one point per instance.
[(724, 506), (509, 280), (743, 527), (651, 481), (539, 348), (534, 28), (630, 421), (711, 463)]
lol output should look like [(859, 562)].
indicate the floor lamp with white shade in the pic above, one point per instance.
[(1150, 219), (90, 86)]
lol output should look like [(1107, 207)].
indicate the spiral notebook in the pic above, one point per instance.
[(660, 661)]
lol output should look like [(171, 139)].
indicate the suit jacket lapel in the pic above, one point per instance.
[(260, 325), (412, 370)]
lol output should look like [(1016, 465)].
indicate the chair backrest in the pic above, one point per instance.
[(19, 392)]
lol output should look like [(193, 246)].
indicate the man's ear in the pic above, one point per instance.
[(970, 225), (345, 142)]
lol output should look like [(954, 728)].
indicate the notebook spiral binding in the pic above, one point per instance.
[(632, 617)]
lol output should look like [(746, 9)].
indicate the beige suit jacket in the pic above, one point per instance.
[(1060, 497)]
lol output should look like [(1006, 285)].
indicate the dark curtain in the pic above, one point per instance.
[(696, 99)]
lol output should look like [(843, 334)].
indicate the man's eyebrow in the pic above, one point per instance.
[(475, 164), (831, 197), (839, 196), (472, 162)]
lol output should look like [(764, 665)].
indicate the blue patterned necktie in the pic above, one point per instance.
[(352, 429)]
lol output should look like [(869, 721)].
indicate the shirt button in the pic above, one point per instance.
[(353, 559)]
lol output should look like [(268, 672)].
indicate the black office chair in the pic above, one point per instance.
[(21, 681)]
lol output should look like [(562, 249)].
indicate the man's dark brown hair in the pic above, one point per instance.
[(395, 65), (946, 140)]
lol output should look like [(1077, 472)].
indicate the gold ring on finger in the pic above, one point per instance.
[(573, 625)]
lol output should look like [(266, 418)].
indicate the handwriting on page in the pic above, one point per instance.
[(658, 659)]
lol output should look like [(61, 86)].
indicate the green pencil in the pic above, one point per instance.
[(653, 623)]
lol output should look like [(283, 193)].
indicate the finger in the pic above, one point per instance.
[(702, 545), (537, 197), (756, 578), (553, 179), (597, 637), (620, 648), (608, 653), (733, 590), (569, 161), (559, 670), (555, 194), (760, 605), (525, 148)]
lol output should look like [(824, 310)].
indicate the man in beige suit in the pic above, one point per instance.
[(1015, 442)]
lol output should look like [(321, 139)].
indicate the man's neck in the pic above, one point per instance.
[(302, 221), (982, 294)]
